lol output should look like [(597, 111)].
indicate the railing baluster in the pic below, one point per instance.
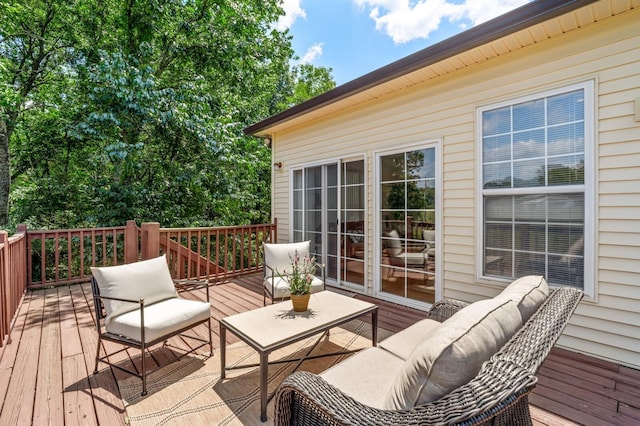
[(229, 251)]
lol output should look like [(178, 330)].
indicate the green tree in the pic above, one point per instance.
[(113, 110), (308, 81)]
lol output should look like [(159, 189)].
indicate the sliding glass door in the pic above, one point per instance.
[(329, 210), (407, 210)]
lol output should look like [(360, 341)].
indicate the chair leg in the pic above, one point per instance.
[(210, 339), (95, 369), (144, 371)]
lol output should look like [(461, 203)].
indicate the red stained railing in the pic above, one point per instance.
[(45, 258), (13, 278)]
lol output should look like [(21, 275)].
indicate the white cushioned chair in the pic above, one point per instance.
[(140, 306), (277, 260)]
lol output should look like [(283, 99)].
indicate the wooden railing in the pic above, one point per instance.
[(212, 253), (65, 256), (45, 258), (13, 278)]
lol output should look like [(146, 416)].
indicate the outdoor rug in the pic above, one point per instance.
[(190, 392)]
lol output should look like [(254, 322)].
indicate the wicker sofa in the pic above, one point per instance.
[(374, 388)]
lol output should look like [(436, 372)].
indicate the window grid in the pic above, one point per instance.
[(520, 253)]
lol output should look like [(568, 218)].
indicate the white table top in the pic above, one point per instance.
[(274, 325)]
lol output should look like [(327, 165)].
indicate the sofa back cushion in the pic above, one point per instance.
[(453, 354), (527, 293), (148, 279)]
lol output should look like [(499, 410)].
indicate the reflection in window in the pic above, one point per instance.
[(407, 190)]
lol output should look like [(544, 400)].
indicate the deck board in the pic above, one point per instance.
[(46, 372), (49, 405), (19, 399)]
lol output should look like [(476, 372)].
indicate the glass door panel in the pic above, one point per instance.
[(329, 210), (353, 245), (407, 191)]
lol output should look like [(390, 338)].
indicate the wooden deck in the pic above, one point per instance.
[(45, 372)]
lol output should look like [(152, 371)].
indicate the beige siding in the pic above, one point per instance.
[(444, 108)]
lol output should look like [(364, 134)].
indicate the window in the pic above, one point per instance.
[(536, 165)]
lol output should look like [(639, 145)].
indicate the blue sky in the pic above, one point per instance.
[(354, 37)]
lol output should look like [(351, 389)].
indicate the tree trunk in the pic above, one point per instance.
[(5, 173)]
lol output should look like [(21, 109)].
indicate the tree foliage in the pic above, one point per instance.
[(113, 110)]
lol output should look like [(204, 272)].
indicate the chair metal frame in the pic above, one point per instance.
[(184, 285)]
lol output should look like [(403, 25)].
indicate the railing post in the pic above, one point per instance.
[(5, 314), (275, 230), (131, 242), (150, 240)]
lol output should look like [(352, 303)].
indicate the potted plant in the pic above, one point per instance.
[(300, 278)]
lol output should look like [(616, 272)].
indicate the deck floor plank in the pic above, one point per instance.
[(48, 405), (10, 350), (19, 399), (107, 403), (573, 388)]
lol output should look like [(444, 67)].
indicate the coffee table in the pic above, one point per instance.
[(275, 326)]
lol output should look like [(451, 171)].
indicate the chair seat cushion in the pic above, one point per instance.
[(402, 343), (160, 319), (454, 352), (528, 293), (282, 286), (409, 259), (148, 279), (365, 376)]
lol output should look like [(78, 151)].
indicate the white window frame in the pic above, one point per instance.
[(588, 188)]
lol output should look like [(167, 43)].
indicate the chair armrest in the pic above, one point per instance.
[(190, 285), (444, 309), (501, 384), (119, 299)]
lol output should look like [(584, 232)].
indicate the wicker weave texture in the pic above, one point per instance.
[(497, 395)]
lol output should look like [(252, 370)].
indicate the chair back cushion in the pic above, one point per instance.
[(149, 280), (453, 353), (279, 256), (528, 293), (394, 245)]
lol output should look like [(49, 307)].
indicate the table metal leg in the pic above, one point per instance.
[(374, 327), (264, 373), (223, 350)]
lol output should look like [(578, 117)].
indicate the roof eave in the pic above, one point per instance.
[(511, 22)]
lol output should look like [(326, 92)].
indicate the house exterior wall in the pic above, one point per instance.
[(444, 109)]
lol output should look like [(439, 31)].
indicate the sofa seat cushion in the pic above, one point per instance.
[(281, 288), (453, 354), (148, 279), (365, 376), (528, 293), (402, 343), (160, 319)]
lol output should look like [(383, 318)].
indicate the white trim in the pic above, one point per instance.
[(588, 188)]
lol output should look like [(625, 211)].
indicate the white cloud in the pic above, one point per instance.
[(313, 52), (292, 11), (406, 20)]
